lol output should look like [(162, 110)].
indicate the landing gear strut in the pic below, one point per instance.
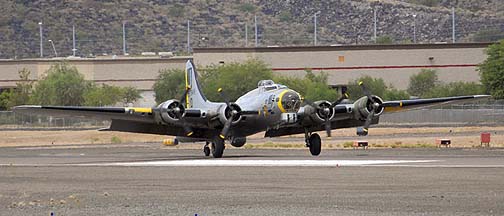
[(217, 147), (314, 142), (206, 149)]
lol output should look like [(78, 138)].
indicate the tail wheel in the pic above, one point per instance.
[(217, 148), (206, 150), (315, 144)]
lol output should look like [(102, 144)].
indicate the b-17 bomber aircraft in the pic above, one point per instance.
[(271, 107)]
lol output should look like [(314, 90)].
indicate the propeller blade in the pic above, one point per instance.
[(335, 103), (327, 125), (369, 119), (224, 96), (227, 125), (182, 100), (366, 91)]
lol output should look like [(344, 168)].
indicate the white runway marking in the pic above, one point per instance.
[(262, 163)]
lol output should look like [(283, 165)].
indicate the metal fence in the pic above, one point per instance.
[(462, 116), (10, 119)]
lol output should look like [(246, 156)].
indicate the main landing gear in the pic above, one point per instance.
[(216, 147), (313, 142)]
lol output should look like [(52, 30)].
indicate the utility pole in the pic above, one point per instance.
[(41, 41), (124, 37), (315, 28), (453, 25), (246, 34), (255, 24), (188, 36), (73, 41), (414, 29), (374, 20)]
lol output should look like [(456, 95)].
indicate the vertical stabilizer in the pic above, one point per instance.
[(195, 97)]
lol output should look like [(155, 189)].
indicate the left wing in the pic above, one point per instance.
[(362, 112), (105, 113)]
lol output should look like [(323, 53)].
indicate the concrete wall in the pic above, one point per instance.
[(394, 63), (137, 72)]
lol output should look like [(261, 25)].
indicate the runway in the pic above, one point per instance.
[(146, 179)]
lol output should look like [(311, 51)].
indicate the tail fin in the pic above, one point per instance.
[(195, 97)]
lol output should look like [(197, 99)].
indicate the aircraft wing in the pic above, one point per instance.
[(104, 113), (404, 105), (348, 115)]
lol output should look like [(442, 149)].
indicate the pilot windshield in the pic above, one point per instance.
[(291, 101)]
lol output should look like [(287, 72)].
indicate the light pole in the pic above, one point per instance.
[(124, 37), (54, 48), (453, 24), (188, 36), (414, 29), (73, 41), (374, 21), (315, 28), (41, 41), (246, 34), (255, 27)]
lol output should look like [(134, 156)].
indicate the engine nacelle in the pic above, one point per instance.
[(364, 107), (225, 114), (321, 112), (171, 111), (238, 141)]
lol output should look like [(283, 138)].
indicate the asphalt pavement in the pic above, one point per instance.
[(146, 179)]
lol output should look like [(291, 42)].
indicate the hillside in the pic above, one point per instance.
[(158, 25)]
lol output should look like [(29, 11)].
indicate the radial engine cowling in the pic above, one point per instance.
[(225, 113), (322, 111), (171, 111), (364, 107)]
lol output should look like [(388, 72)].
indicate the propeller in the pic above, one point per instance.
[(375, 106), (235, 111), (187, 130), (325, 112)]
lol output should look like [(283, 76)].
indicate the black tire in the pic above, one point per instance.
[(315, 144), (217, 148), (206, 150)]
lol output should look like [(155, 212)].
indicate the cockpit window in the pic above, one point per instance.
[(269, 88), (265, 83), (291, 101)]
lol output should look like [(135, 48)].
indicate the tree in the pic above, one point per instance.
[(234, 78), (130, 95), (170, 84), (492, 70), (376, 86), (19, 95), (63, 85), (312, 87), (422, 82), (455, 89), (103, 95)]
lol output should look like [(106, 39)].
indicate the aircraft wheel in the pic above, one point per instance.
[(217, 148), (206, 150), (315, 144)]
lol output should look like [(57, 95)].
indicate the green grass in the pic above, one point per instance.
[(115, 140)]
